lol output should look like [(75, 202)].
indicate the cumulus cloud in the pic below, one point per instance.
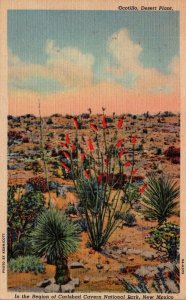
[(126, 55), (68, 66)]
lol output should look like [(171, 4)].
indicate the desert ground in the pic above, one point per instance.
[(126, 251)]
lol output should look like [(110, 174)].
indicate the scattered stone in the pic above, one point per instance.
[(172, 286), (131, 258), (75, 281), (68, 288), (76, 265), (99, 266), (86, 279), (134, 251), (44, 283), (122, 269), (52, 288), (148, 255)]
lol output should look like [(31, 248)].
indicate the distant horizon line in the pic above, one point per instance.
[(97, 114)]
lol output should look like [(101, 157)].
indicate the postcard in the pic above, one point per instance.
[(93, 126)]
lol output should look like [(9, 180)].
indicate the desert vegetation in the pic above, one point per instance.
[(93, 202)]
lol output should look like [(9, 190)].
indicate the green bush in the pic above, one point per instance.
[(132, 195), (159, 283), (22, 216), (71, 209), (26, 264), (165, 238), (128, 218)]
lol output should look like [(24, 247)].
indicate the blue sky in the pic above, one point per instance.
[(157, 33)]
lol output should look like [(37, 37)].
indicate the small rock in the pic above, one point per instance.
[(122, 269), (44, 283), (75, 281), (148, 255), (52, 288), (134, 251), (76, 265), (86, 279), (131, 258), (68, 288), (99, 266)]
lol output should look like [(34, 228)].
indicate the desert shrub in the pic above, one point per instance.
[(158, 151), (168, 114), (21, 247), (35, 166), (132, 195), (50, 135), (82, 223), (172, 152), (49, 121), (25, 140), (26, 264), (54, 153), (165, 238), (175, 160), (127, 218), (38, 183), (23, 210), (102, 174), (160, 198), (14, 135), (140, 147), (159, 283), (71, 209)]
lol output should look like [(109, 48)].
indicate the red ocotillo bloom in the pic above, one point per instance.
[(99, 179), (134, 139), (107, 161), (119, 143), (142, 188), (87, 175), (91, 147), (66, 154), (94, 127), (63, 145), (127, 164), (65, 166), (82, 156), (76, 123), (73, 147), (67, 139), (134, 171), (120, 123), (121, 152), (104, 122)]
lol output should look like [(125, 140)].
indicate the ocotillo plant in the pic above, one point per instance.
[(99, 173), (44, 157)]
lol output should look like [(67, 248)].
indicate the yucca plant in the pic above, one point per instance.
[(160, 198), (56, 237)]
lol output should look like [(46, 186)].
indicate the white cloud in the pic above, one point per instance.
[(68, 66), (126, 54)]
